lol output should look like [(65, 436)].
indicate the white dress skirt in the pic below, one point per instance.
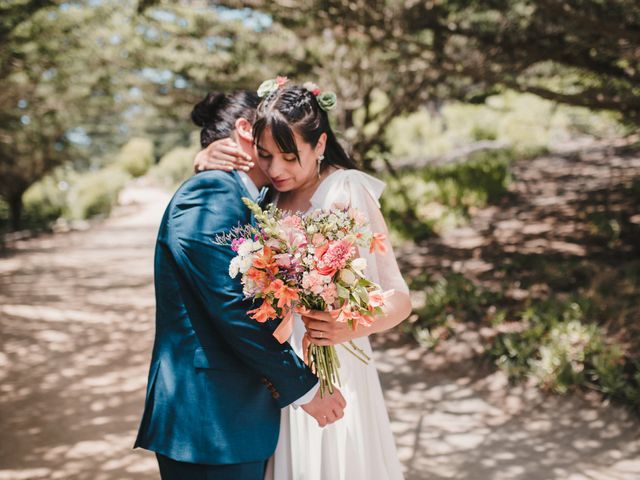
[(360, 446)]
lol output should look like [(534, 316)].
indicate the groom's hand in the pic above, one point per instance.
[(326, 409)]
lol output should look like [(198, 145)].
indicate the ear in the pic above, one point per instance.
[(321, 145), (244, 129)]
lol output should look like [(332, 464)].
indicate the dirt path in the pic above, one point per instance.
[(76, 324)]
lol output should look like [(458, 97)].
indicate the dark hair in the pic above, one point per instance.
[(217, 113), (296, 107)]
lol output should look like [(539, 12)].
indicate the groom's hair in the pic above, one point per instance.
[(295, 107), (217, 113)]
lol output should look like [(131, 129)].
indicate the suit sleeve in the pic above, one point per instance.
[(212, 205)]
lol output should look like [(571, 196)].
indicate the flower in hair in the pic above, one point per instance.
[(271, 85), (267, 87), (312, 87), (327, 100)]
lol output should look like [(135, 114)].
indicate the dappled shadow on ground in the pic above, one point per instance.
[(454, 416), (569, 225), (76, 320)]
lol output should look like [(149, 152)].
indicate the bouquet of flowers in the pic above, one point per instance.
[(294, 263)]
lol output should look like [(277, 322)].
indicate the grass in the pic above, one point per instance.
[(422, 203)]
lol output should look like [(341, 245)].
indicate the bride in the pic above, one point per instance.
[(298, 151)]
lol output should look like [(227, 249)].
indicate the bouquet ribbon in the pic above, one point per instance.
[(285, 329)]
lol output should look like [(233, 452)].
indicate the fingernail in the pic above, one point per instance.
[(251, 164), (246, 169)]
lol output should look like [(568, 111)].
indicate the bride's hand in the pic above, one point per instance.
[(323, 329), (224, 154)]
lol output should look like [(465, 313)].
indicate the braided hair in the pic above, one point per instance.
[(295, 107)]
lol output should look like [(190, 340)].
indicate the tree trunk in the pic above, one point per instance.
[(15, 209)]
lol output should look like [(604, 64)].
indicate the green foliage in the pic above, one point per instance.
[(175, 166), (447, 299), (136, 156), (442, 196), (525, 123), (45, 201), (561, 350), (95, 193), (558, 341)]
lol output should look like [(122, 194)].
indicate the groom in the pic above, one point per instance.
[(218, 378)]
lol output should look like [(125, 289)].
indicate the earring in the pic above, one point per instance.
[(320, 159)]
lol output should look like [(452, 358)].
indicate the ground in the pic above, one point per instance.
[(76, 323)]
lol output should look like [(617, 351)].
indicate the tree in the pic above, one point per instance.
[(81, 78), (578, 52), (56, 75)]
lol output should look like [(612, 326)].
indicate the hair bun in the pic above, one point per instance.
[(206, 110)]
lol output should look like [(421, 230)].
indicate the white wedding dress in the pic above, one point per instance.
[(360, 446)]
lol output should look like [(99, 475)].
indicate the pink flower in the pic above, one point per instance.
[(334, 256), (329, 293), (318, 239), (292, 221), (377, 298), (293, 237), (283, 260), (313, 282), (236, 242), (343, 314)]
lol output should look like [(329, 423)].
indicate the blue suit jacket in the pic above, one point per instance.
[(207, 401)]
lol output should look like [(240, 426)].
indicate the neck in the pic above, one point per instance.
[(255, 174), (257, 178), (302, 195)]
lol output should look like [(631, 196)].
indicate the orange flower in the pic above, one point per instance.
[(343, 314), (285, 294), (257, 276), (263, 313), (377, 243), (266, 261)]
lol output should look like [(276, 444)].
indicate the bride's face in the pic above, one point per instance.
[(285, 170)]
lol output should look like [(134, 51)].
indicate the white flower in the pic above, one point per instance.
[(234, 267), (358, 265), (348, 277), (245, 264), (248, 247), (249, 289)]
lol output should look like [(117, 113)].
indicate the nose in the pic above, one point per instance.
[(275, 169)]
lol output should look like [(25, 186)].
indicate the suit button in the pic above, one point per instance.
[(264, 380), (275, 395)]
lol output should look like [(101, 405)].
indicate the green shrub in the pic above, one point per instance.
[(44, 201), (452, 297), (561, 350), (95, 193), (426, 201), (136, 156), (175, 166)]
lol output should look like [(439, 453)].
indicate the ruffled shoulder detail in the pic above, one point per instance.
[(347, 187)]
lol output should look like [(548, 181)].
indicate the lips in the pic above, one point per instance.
[(280, 181)]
